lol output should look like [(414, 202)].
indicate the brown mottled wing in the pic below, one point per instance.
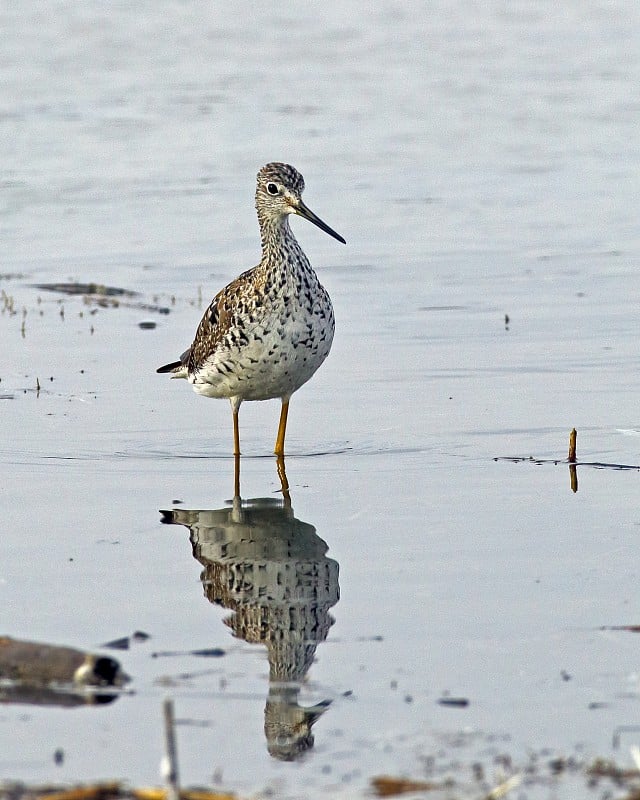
[(230, 309)]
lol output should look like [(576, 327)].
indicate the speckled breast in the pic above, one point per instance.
[(272, 357)]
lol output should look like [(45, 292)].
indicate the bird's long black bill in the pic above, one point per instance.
[(305, 212)]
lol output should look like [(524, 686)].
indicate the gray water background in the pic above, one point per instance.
[(481, 159)]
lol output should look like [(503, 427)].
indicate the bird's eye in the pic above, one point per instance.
[(272, 188)]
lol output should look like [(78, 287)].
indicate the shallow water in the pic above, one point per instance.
[(480, 162)]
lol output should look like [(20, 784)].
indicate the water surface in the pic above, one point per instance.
[(481, 162)]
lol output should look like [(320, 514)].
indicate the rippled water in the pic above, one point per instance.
[(481, 161)]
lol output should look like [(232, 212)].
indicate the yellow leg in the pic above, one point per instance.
[(236, 433), (282, 427), (236, 475)]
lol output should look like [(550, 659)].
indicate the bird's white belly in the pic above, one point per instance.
[(273, 362)]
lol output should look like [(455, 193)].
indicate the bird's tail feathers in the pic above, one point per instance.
[(174, 366), (179, 368)]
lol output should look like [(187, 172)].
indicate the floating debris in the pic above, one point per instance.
[(629, 628), (604, 768), (209, 652), (102, 791), (85, 288), (454, 702), (147, 325), (8, 303), (117, 644), (386, 786), (504, 788), (100, 295), (37, 664), (123, 642)]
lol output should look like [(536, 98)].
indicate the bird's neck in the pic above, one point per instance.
[(280, 248)]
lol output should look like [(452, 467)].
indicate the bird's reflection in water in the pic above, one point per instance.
[(272, 571)]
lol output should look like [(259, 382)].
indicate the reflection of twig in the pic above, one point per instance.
[(170, 760), (573, 477)]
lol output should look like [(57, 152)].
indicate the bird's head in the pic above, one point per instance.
[(279, 193)]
